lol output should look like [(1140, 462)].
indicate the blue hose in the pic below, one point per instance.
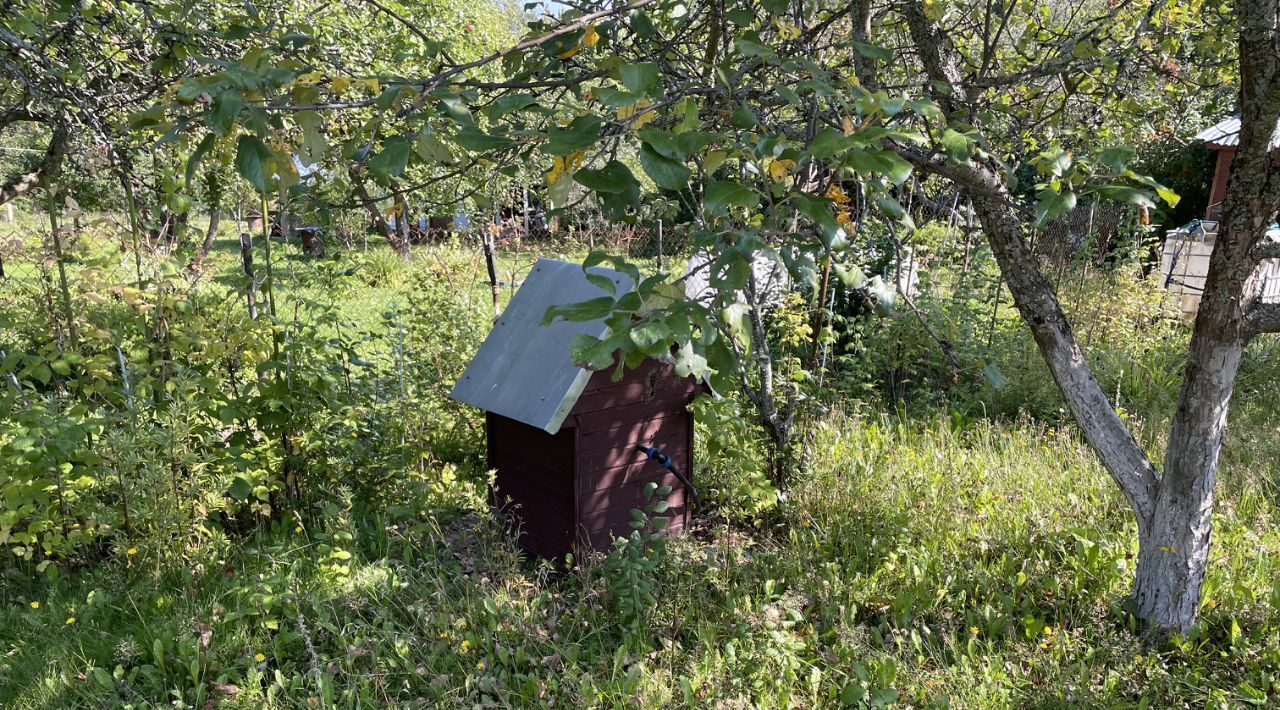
[(657, 456)]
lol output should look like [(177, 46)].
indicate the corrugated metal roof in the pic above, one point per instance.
[(523, 369), (1226, 134)]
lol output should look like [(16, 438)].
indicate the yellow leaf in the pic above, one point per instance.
[(636, 114), (780, 169), (311, 77), (374, 86), (590, 37), (562, 166), (786, 31), (339, 84)]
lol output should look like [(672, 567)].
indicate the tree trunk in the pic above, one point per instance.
[(1174, 555), (215, 217), (1173, 510), (44, 174), (362, 192)]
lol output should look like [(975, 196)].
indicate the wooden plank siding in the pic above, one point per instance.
[(535, 471), (577, 488), (647, 406)]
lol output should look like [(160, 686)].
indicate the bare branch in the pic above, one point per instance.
[(1265, 318), (1266, 250)]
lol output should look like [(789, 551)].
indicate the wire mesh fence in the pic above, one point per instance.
[(95, 254)]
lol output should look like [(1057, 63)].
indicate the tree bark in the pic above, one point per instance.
[(401, 247), (44, 173), (1173, 557)]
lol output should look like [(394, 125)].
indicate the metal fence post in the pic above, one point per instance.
[(659, 245), (62, 271)]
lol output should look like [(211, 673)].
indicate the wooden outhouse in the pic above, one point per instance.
[(562, 439), (1184, 260), (1223, 138)]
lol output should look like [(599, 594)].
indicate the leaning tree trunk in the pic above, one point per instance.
[(362, 192), (1173, 509)]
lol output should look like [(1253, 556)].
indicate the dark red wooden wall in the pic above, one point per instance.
[(648, 406), (577, 488), (533, 483), (1221, 173)]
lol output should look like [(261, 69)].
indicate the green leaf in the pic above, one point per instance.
[(604, 283), (477, 141), (580, 133), (641, 78), (884, 293), (691, 143), (392, 159), (429, 147), (736, 318), (1116, 158), (649, 334), (742, 117), (456, 109), (1125, 193), (871, 51), (818, 212), (720, 196), (193, 162), (511, 102), (225, 110), (994, 376), (389, 97), (828, 142), (851, 276), (240, 489), (583, 311), (688, 362), (959, 147), (666, 173), (590, 352), (252, 159), (1052, 205), (613, 179), (751, 48), (1056, 163)]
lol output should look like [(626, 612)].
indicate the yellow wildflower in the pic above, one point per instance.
[(131, 551), (71, 620), (259, 658), (35, 605), (465, 646), (479, 665)]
